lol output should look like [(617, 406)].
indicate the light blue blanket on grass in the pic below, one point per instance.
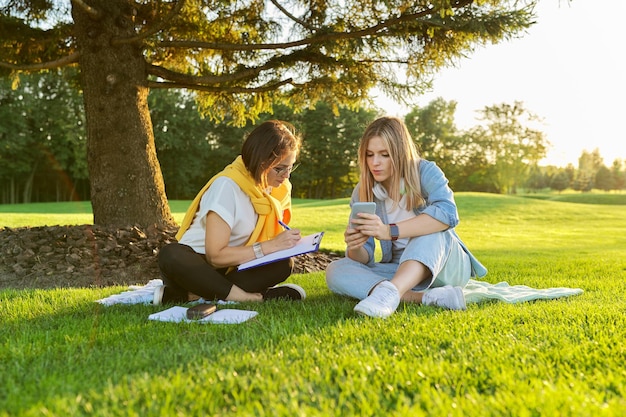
[(136, 294), (477, 291)]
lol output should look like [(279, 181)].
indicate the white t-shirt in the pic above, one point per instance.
[(227, 200), (395, 214)]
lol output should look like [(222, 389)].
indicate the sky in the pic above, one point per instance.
[(569, 69)]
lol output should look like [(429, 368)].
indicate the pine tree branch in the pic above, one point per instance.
[(151, 30), (292, 17), (178, 77), (61, 62), (221, 89), (302, 55), (317, 39), (92, 12)]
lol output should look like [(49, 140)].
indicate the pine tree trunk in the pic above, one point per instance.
[(126, 181)]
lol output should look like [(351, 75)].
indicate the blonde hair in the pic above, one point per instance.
[(405, 161)]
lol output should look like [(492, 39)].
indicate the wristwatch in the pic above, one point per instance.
[(258, 251), (393, 231)]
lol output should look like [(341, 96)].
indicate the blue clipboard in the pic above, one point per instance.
[(310, 243)]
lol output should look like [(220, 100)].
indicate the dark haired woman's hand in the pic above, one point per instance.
[(285, 240)]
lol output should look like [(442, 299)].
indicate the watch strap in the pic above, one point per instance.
[(393, 231), (258, 251)]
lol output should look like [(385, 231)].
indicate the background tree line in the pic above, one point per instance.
[(43, 146)]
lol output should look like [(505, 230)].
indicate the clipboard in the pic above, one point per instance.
[(310, 243)]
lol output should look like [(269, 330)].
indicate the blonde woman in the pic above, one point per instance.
[(423, 259)]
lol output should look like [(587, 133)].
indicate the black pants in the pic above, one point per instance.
[(184, 270)]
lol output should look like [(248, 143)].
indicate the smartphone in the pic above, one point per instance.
[(361, 207), (200, 311)]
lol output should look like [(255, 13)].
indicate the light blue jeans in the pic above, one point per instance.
[(439, 252)]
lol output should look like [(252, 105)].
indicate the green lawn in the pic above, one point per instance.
[(63, 354)]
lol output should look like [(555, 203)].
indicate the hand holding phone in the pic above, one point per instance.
[(361, 207)]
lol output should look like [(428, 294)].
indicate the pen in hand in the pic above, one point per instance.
[(284, 225)]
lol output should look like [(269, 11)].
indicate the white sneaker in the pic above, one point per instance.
[(164, 295), (382, 301), (447, 297), (157, 297)]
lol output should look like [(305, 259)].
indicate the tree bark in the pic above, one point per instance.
[(126, 181)]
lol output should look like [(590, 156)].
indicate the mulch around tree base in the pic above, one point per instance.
[(94, 256)]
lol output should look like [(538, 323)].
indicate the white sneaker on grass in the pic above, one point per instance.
[(157, 297), (165, 295), (448, 297), (382, 301)]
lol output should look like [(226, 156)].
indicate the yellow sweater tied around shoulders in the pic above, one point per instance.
[(270, 207)]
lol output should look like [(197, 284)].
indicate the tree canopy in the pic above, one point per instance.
[(242, 58)]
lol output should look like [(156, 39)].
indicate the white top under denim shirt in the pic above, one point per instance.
[(439, 205)]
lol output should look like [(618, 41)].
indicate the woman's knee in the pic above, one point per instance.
[(283, 269), (433, 241), (351, 278), (336, 273), (169, 256)]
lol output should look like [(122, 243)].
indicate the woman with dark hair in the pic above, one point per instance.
[(235, 218), (423, 259)]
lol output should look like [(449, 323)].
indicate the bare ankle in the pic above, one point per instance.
[(237, 294)]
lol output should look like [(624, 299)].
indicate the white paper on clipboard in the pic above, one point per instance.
[(310, 243)]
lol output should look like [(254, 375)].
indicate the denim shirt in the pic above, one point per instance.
[(439, 205)]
